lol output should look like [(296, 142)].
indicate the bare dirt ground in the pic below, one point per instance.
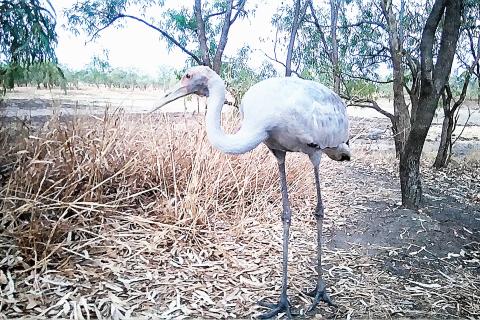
[(381, 261)]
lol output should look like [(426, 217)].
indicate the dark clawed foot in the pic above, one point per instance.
[(319, 295), (282, 306)]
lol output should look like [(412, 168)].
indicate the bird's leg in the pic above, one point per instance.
[(319, 293), (283, 305)]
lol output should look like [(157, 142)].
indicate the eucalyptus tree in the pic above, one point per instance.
[(329, 42), (45, 74), (378, 38), (468, 56), (288, 21), (198, 28), (240, 76), (436, 58), (320, 37), (300, 9), (98, 71), (27, 36), (420, 60)]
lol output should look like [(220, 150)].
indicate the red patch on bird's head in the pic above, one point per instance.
[(196, 80)]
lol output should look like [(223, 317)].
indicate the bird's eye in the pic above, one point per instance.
[(188, 76)]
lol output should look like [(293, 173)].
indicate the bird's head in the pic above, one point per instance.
[(194, 81)]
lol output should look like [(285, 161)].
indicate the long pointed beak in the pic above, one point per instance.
[(178, 91)]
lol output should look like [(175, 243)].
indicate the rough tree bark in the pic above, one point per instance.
[(433, 77), (228, 20), (401, 119), (445, 147), (334, 7), (201, 34), (298, 15), (332, 51)]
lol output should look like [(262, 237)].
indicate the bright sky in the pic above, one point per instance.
[(137, 46)]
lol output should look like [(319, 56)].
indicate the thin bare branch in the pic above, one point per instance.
[(366, 78), (366, 103), (164, 33)]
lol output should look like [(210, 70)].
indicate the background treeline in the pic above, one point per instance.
[(47, 75), (237, 73)]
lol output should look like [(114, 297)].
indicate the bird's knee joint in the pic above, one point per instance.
[(319, 213), (286, 218)]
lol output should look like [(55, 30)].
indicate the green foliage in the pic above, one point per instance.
[(27, 33), (91, 15), (47, 74), (8, 74), (362, 88), (175, 20), (98, 72), (110, 77), (181, 24), (39, 74), (181, 20), (310, 57), (240, 76), (27, 39)]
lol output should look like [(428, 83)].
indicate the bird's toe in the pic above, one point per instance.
[(319, 294), (283, 306)]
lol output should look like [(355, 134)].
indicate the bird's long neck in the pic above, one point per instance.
[(242, 141)]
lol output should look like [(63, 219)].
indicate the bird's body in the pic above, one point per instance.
[(298, 115), (288, 115)]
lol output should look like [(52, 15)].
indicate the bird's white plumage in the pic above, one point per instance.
[(287, 114), (296, 113)]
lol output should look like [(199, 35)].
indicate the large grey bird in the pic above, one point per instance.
[(287, 115)]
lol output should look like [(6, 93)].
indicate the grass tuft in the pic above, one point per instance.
[(70, 174)]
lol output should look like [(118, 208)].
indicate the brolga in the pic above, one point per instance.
[(287, 115)]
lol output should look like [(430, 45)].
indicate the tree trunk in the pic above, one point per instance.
[(445, 147), (217, 60), (397, 137), (433, 80), (402, 120), (202, 38), (334, 7), (401, 123), (410, 179), (293, 33), (298, 15)]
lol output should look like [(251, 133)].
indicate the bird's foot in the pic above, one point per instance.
[(319, 294), (282, 306)]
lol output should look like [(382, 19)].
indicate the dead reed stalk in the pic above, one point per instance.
[(72, 173)]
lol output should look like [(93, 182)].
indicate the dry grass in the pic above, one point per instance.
[(137, 216), (68, 173), (77, 189)]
